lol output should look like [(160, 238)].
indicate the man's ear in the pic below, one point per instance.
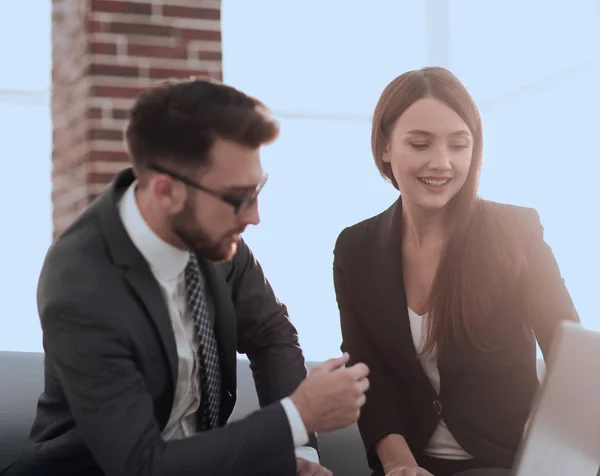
[(169, 193)]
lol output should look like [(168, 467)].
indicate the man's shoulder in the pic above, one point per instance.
[(81, 243), (77, 269), (241, 265)]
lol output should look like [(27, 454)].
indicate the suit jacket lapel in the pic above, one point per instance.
[(137, 272), (144, 284), (225, 330)]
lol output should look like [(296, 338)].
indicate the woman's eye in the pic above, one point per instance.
[(418, 146), (459, 146)]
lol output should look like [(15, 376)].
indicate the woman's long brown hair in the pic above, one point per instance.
[(479, 254)]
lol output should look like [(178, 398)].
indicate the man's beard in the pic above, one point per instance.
[(198, 240)]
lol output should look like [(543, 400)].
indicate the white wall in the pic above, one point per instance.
[(320, 66), (25, 149), (533, 69), (26, 215)]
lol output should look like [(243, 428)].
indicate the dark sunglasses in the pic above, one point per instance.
[(240, 201)]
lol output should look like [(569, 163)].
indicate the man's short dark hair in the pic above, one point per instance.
[(177, 122)]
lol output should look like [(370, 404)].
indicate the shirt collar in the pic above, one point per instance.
[(166, 261)]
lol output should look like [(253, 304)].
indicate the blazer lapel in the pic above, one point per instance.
[(395, 324), (395, 321), (226, 331), (137, 272), (142, 281)]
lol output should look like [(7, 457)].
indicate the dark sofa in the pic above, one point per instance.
[(21, 382)]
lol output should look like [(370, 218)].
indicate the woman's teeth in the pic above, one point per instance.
[(435, 182)]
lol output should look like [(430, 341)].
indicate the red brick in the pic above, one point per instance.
[(121, 71), (99, 48), (101, 177), (108, 156), (152, 51), (206, 35), (97, 26), (86, 75), (209, 55), (112, 6), (191, 12), (105, 134), (116, 92), (94, 113), (141, 29)]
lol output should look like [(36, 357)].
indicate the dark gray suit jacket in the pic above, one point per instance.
[(111, 362)]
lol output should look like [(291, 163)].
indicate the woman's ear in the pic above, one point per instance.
[(385, 155)]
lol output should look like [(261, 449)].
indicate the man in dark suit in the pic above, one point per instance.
[(146, 298)]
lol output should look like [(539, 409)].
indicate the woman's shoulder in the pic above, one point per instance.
[(362, 233), (509, 210), (513, 217)]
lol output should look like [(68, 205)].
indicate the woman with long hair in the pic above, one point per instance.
[(444, 294)]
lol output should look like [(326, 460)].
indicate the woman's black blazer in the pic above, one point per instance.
[(485, 397)]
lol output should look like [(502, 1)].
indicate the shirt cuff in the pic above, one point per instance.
[(308, 453), (299, 434)]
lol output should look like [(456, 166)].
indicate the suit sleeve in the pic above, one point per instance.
[(114, 412), (382, 414), (547, 299), (265, 332)]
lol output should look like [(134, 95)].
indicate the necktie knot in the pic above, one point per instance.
[(192, 267)]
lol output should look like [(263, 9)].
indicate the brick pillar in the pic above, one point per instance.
[(104, 52)]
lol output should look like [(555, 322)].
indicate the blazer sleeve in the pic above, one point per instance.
[(384, 412), (114, 412), (546, 296), (265, 333)]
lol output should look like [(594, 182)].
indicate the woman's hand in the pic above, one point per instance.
[(397, 459), (408, 471)]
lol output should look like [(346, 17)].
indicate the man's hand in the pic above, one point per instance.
[(408, 471), (331, 396), (308, 468)]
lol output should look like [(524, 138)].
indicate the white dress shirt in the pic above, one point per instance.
[(167, 264)]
